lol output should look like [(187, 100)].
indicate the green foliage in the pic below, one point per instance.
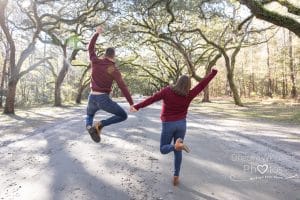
[(74, 41)]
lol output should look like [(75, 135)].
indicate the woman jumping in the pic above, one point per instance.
[(176, 100)]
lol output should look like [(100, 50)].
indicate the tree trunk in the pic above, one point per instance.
[(206, 90), (57, 97), (60, 79), (269, 88), (79, 94), (206, 95), (3, 78), (82, 84), (276, 87), (234, 90), (58, 84), (243, 82), (227, 89), (10, 98), (292, 67), (208, 69), (283, 85)]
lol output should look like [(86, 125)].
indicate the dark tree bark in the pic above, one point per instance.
[(208, 70), (206, 91), (80, 91), (258, 9), (83, 84), (10, 98), (60, 78), (4, 76)]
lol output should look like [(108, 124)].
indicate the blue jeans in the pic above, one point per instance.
[(104, 102), (172, 130)]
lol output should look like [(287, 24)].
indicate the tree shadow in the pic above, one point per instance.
[(71, 177)]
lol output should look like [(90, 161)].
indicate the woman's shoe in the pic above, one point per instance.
[(175, 180), (186, 148), (179, 146)]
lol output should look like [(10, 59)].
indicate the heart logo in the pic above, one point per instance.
[(262, 168)]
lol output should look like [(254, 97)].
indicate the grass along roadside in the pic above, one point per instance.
[(276, 110)]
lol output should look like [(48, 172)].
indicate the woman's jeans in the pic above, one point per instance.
[(172, 130), (104, 102)]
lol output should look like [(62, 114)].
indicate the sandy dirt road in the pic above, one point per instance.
[(51, 156)]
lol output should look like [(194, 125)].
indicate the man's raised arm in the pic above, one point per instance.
[(91, 48)]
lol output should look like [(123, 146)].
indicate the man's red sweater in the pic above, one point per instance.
[(104, 72), (174, 106)]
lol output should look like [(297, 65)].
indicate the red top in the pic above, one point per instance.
[(104, 72), (175, 106)]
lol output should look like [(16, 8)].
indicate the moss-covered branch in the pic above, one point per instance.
[(258, 9)]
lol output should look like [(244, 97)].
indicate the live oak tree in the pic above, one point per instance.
[(163, 22), (66, 31), (30, 23), (161, 64), (178, 32)]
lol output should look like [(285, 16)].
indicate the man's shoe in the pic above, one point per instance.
[(98, 127), (93, 133), (175, 180)]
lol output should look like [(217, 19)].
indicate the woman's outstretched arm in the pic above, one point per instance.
[(202, 84), (156, 97)]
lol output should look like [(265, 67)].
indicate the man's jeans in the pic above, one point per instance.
[(104, 102), (172, 130)]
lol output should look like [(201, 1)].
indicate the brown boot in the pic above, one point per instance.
[(93, 133), (175, 180), (98, 127)]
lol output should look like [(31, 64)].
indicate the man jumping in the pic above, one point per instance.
[(104, 72)]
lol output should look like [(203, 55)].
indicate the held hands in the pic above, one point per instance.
[(99, 29), (132, 109)]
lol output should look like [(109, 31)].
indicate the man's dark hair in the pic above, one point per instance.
[(182, 86), (110, 52)]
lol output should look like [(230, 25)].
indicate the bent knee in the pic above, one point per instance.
[(162, 151), (124, 116)]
